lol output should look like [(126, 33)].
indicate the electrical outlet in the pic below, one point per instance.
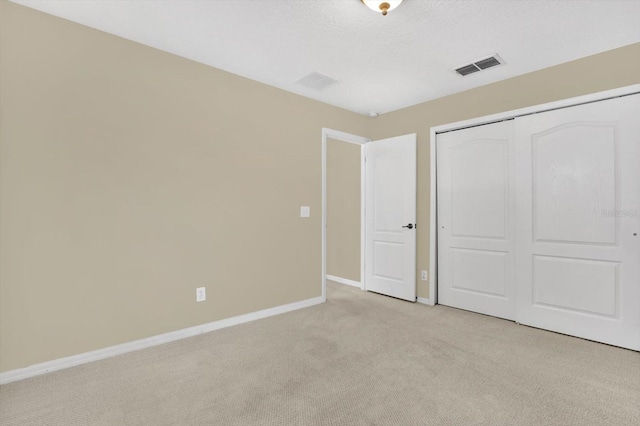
[(305, 211), (424, 276), (201, 294)]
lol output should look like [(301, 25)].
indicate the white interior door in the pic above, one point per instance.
[(475, 219), (390, 259), (578, 189)]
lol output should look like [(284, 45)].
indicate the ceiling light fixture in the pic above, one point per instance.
[(382, 6)]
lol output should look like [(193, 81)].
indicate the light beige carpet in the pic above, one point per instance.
[(359, 359)]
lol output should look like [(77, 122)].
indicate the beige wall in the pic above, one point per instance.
[(608, 70), (130, 176), (343, 209)]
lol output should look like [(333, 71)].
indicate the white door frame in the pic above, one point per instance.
[(358, 140), (433, 131)]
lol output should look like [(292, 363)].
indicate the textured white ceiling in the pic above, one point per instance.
[(381, 63)]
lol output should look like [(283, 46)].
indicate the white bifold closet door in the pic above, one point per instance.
[(475, 219), (539, 220), (578, 204)]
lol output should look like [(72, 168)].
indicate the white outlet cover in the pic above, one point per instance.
[(305, 211), (201, 294), (424, 276)]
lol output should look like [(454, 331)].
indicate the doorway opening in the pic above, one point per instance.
[(343, 233), (387, 219)]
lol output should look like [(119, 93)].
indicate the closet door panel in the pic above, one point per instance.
[(578, 204), (475, 219)]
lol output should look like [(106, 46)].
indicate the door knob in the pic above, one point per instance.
[(410, 226)]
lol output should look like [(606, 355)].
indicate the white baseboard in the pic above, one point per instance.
[(424, 301), (344, 281), (83, 358)]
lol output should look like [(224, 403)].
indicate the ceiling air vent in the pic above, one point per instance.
[(467, 69), (316, 81), (479, 65)]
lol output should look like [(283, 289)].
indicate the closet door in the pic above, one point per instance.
[(578, 242), (475, 219)]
